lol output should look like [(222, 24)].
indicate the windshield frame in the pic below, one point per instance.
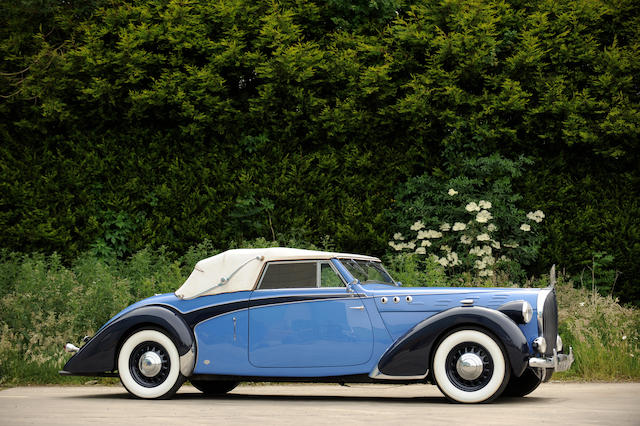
[(354, 267)]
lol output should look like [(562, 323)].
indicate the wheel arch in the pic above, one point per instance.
[(412, 353), (100, 354)]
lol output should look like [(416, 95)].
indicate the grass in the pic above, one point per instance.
[(45, 304)]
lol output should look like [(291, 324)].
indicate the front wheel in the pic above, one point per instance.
[(525, 384), (149, 365), (469, 366)]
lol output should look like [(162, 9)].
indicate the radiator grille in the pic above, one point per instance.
[(550, 321)]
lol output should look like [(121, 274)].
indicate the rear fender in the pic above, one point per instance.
[(99, 354), (410, 355)]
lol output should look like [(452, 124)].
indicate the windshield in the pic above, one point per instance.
[(367, 271)]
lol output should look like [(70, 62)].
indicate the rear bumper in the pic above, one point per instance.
[(558, 362)]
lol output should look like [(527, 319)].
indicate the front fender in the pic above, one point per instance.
[(410, 355), (99, 354)]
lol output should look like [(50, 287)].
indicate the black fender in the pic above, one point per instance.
[(410, 354), (99, 354)]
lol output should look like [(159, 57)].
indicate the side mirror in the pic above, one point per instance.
[(398, 283)]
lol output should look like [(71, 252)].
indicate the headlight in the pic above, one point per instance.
[(520, 311), (559, 343), (540, 345), (527, 312)]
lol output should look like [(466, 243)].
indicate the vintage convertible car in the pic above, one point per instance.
[(281, 314)]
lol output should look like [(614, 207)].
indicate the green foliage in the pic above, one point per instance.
[(414, 271), (240, 120), (45, 304), (604, 335)]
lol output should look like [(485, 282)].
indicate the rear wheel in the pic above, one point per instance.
[(469, 366), (525, 384), (149, 365), (214, 387)]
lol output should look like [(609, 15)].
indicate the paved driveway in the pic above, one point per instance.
[(552, 403)]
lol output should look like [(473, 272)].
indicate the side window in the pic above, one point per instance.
[(328, 277), (290, 275)]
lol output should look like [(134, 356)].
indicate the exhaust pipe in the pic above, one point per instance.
[(71, 348)]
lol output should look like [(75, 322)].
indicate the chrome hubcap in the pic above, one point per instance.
[(150, 364), (469, 366)]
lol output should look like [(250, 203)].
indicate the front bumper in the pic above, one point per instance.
[(558, 362)]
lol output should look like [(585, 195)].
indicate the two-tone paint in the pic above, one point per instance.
[(376, 331)]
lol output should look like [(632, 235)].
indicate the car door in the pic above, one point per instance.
[(302, 315)]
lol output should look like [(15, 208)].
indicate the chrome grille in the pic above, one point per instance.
[(548, 318)]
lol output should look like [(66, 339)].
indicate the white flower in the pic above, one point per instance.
[(445, 248), (411, 245), (481, 251), (421, 250), (432, 234), (536, 216), (504, 258), (483, 217), (417, 226), (488, 260), (398, 236), (496, 245), (511, 245), (486, 273), (453, 258), (624, 337), (426, 243), (397, 247), (443, 261), (472, 207), (422, 235), (465, 239), (452, 192), (484, 204), (479, 264), (491, 227), (483, 237), (477, 251), (459, 226), (445, 227), (581, 303), (525, 227)]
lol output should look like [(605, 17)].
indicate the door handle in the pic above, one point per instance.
[(360, 308), (234, 329)]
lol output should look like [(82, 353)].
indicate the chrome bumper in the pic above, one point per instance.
[(559, 362)]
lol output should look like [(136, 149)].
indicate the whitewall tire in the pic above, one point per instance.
[(149, 365), (469, 366)]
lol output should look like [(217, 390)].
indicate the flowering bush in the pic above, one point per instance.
[(471, 239), (467, 218)]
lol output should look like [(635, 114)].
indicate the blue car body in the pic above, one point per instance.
[(361, 331)]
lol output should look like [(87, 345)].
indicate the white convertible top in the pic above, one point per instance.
[(237, 270)]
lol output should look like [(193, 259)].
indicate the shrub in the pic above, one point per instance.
[(470, 223)]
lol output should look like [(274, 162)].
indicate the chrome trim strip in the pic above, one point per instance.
[(376, 374), (188, 362), (266, 306)]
